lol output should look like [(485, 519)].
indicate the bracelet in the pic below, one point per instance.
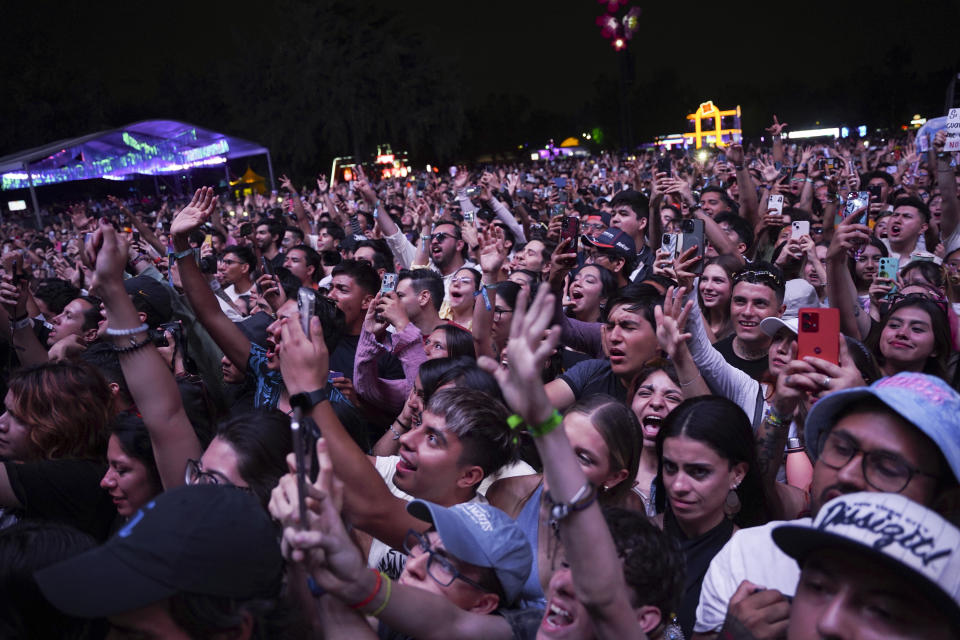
[(515, 422), (424, 236), (376, 590), (776, 420), (119, 333), (580, 501), (23, 323), (794, 446), (687, 384), (397, 434), (489, 286), (182, 254), (134, 346), (386, 599), (486, 298)]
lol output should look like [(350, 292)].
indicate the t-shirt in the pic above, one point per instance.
[(66, 491), (388, 367), (751, 554), (524, 624), (753, 368), (589, 377)]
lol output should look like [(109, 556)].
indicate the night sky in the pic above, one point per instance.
[(514, 71)]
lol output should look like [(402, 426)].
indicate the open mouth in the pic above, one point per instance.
[(617, 355), (405, 466), (747, 324), (557, 617), (895, 230), (651, 426)]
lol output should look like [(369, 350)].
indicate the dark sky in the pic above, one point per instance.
[(840, 62)]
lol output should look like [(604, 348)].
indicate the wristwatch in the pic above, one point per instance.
[(308, 400)]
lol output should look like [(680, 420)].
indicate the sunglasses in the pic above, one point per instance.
[(441, 236)]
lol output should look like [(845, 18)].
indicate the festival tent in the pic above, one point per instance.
[(148, 147)]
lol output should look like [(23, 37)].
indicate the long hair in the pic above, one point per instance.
[(723, 426), (67, 406), (134, 439), (261, 440), (459, 341), (620, 430)]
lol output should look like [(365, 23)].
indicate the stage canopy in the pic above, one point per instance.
[(149, 147)]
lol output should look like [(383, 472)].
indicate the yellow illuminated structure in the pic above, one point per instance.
[(707, 111)]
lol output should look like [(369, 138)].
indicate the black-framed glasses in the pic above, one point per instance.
[(196, 475), (229, 262), (440, 236), (759, 276), (884, 471), (439, 567), (498, 312)]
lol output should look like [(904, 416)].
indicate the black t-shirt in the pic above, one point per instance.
[(589, 377), (66, 491), (388, 367), (754, 368)]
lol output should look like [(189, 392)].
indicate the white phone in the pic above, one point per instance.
[(776, 202), (799, 228)]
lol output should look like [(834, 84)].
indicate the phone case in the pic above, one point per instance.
[(888, 268), (693, 234), (800, 228), (776, 202), (819, 334)]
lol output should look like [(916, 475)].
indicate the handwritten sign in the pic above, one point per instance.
[(953, 131)]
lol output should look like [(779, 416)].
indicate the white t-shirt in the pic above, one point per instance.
[(751, 554)]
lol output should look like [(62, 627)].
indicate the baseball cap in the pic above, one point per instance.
[(613, 239), (925, 401), (199, 539), (152, 296), (772, 325), (798, 294), (483, 536), (915, 542)]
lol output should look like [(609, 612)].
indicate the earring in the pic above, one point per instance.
[(731, 506)]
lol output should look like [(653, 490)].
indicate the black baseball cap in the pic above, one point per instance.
[(152, 296), (614, 240), (200, 539)]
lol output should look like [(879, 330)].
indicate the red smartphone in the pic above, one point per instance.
[(819, 334)]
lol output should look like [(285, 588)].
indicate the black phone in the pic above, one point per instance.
[(664, 165), (246, 229), (136, 236), (266, 267), (693, 235), (875, 191)]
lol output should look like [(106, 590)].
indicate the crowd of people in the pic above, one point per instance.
[(549, 399)]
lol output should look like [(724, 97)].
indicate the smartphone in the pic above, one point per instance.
[(469, 217), (307, 305), (799, 228), (300, 453), (389, 283), (829, 164), (355, 225), (889, 268), (136, 236), (776, 202), (875, 190), (819, 334), (570, 230), (670, 242), (664, 165), (857, 201), (557, 210), (560, 182), (333, 375), (265, 266), (693, 235)]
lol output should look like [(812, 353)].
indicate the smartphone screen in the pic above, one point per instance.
[(775, 202), (570, 230)]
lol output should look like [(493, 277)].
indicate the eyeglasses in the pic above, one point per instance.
[(883, 471), (196, 475), (498, 312), (229, 262), (759, 277), (599, 226), (441, 236), (463, 280), (439, 567)]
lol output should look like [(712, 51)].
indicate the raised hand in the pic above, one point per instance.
[(287, 184), (304, 361), (777, 127), (322, 184), (492, 252), (528, 352), (107, 252), (671, 320), (195, 213)]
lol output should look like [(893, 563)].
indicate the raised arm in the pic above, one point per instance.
[(946, 181), (148, 378), (841, 289), (302, 223), (596, 568), (234, 344)]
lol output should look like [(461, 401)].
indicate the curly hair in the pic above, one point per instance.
[(67, 406)]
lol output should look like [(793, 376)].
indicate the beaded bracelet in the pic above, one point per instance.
[(119, 333), (134, 346), (775, 420)]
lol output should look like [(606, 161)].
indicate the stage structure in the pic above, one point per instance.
[(149, 147)]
